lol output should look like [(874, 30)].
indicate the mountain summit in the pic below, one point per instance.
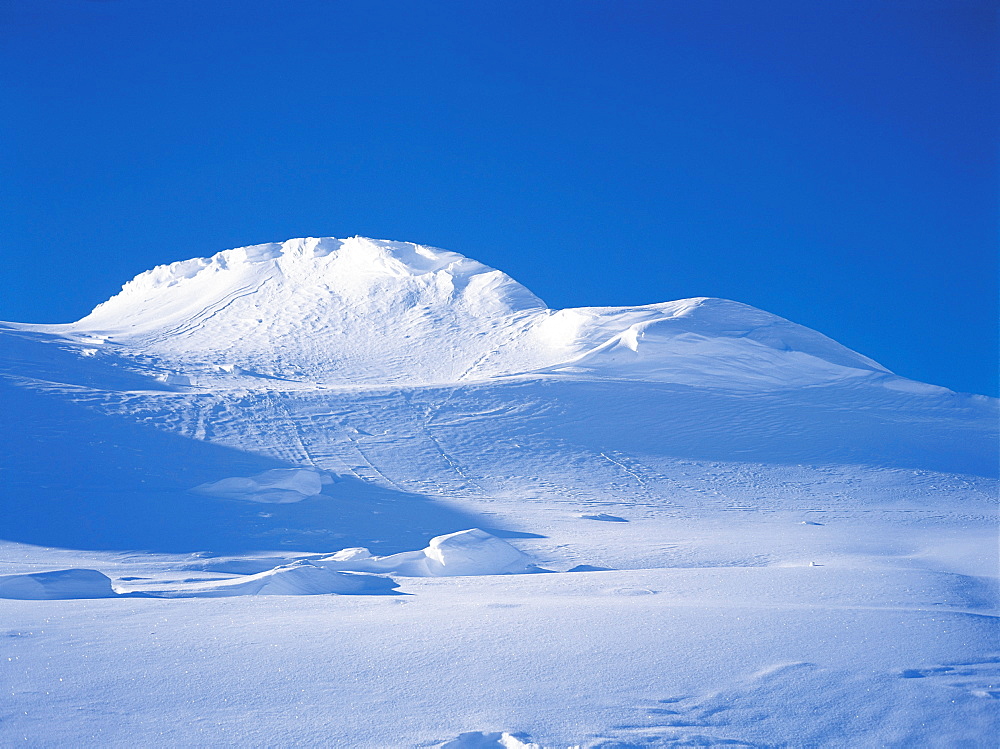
[(369, 312)]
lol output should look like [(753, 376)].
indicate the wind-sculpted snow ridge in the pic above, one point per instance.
[(57, 584), (348, 572), (460, 554), (470, 552), (373, 312), (301, 578)]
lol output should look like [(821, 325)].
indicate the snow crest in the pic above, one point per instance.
[(58, 584), (469, 552), (300, 578), (364, 312)]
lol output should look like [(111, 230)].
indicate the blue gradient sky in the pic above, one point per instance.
[(831, 162)]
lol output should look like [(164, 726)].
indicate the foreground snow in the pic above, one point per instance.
[(753, 536)]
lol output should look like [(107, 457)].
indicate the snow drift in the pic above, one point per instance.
[(300, 578), (277, 486), (470, 552), (57, 584)]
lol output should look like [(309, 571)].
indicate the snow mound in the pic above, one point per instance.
[(323, 310), (167, 378), (700, 342), (481, 740), (277, 486), (469, 552), (300, 578), (605, 517), (57, 585), (375, 312)]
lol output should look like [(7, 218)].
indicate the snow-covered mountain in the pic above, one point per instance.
[(363, 311), (773, 539)]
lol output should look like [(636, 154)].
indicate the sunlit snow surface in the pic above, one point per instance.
[(220, 491)]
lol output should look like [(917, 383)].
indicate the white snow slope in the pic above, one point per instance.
[(307, 494)]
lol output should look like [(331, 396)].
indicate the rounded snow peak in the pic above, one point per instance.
[(326, 310), (368, 312), (339, 264)]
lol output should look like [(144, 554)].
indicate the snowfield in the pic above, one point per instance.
[(361, 493)]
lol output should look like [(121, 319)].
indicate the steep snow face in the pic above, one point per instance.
[(373, 312)]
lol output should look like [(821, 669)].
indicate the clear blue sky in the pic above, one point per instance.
[(833, 162)]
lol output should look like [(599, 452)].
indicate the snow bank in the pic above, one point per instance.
[(300, 578), (58, 584), (277, 486), (469, 552)]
